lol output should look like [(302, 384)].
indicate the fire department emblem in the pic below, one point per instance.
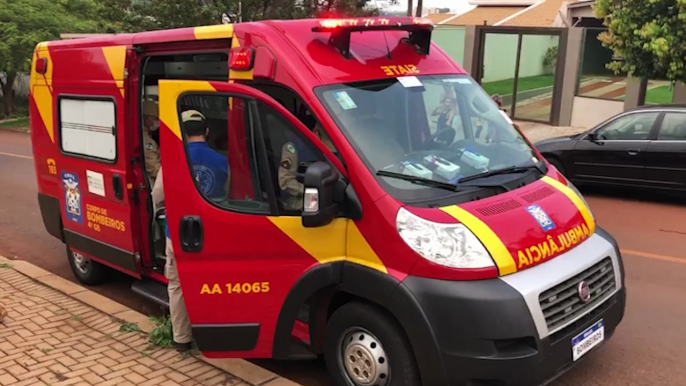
[(72, 197), (541, 216)]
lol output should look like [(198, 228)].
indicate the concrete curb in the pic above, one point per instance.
[(238, 367)]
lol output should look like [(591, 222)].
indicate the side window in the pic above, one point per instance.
[(673, 127), (289, 153), (88, 127), (633, 127), (218, 134)]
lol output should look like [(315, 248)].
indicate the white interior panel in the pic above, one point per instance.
[(87, 128)]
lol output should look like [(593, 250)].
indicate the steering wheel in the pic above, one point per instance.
[(444, 136)]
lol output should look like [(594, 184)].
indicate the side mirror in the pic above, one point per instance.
[(319, 204), (592, 136)]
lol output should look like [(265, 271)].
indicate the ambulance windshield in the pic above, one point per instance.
[(426, 132)]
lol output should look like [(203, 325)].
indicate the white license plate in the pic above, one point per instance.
[(591, 337)]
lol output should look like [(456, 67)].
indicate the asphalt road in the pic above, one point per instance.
[(648, 348)]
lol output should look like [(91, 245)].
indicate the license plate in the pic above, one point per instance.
[(591, 337)]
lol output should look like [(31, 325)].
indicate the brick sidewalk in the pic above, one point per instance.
[(52, 338)]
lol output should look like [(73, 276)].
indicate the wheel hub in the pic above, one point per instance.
[(364, 359), (82, 262)]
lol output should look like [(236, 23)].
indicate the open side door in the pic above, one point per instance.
[(239, 252), (94, 167)]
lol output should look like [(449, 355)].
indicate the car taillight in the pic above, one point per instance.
[(42, 65), (241, 59)]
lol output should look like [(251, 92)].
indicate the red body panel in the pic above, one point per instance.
[(242, 249)]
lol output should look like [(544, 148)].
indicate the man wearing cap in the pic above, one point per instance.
[(292, 189), (150, 147), (211, 173)]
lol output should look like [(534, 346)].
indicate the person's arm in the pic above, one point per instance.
[(288, 170), (158, 191)]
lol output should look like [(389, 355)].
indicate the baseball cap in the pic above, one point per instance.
[(192, 116), (150, 108)]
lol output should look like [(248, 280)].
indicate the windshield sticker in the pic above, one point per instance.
[(458, 80), (400, 70), (344, 100), (410, 81)]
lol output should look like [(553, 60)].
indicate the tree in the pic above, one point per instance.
[(648, 35), (25, 23), (137, 15)]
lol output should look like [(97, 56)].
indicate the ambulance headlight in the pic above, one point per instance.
[(450, 245)]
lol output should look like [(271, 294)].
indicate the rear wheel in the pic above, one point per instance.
[(87, 271), (366, 347)]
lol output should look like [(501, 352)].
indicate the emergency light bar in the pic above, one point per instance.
[(419, 30)]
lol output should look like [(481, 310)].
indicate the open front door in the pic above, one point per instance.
[(239, 246)]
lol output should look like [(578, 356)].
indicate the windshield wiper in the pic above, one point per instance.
[(511, 169), (429, 182)]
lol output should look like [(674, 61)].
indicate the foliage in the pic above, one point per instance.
[(162, 335), (137, 15), (550, 60), (25, 23), (129, 327), (648, 35)]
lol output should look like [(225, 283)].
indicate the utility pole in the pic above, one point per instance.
[(409, 8), (420, 8)]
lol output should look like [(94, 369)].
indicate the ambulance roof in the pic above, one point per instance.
[(373, 54)]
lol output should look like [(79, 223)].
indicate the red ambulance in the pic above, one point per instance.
[(431, 244)]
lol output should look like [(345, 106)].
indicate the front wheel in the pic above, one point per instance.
[(367, 347), (87, 271)]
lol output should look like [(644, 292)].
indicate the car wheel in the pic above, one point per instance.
[(557, 163), (367, 347), (87, 271)]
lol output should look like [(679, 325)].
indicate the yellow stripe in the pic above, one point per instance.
[(502, 257), (326, 244), (359, 250), (116, 60), (330, 243), (41, 90), (169, 92), (567, 191), (221, 31)]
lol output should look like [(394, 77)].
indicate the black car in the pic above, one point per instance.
[(643, 147)]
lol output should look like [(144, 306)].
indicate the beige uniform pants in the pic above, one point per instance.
[(181, 324)]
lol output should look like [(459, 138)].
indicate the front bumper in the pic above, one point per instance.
[(493, 333)]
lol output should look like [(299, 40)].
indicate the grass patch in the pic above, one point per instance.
[(76, 317), (661, 95), (504, 87), (129, 327), (15, 123), (5, 265), (161, 335)]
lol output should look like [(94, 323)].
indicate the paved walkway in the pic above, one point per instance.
[(52, 336)]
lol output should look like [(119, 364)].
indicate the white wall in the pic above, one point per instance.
[(588, 112), (21, 84)]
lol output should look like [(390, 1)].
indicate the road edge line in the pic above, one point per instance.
[(240, 368)]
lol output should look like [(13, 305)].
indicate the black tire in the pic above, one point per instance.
[(379, 326), (557, 163), (92, 273)]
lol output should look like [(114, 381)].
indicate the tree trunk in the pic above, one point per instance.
[(8, 93), (409, 7), (420, 8)]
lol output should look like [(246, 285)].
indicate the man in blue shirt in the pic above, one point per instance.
[(211, 174)]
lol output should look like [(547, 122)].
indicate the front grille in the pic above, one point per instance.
[(561, 304)]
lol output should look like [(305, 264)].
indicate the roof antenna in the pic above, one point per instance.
[(388, 48)]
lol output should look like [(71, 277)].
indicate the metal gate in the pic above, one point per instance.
[(525, 66)]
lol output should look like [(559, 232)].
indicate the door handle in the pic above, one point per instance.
[(117, 186), (633, 151), (191, 233)]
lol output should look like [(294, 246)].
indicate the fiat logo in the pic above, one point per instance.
[(584, 292)]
